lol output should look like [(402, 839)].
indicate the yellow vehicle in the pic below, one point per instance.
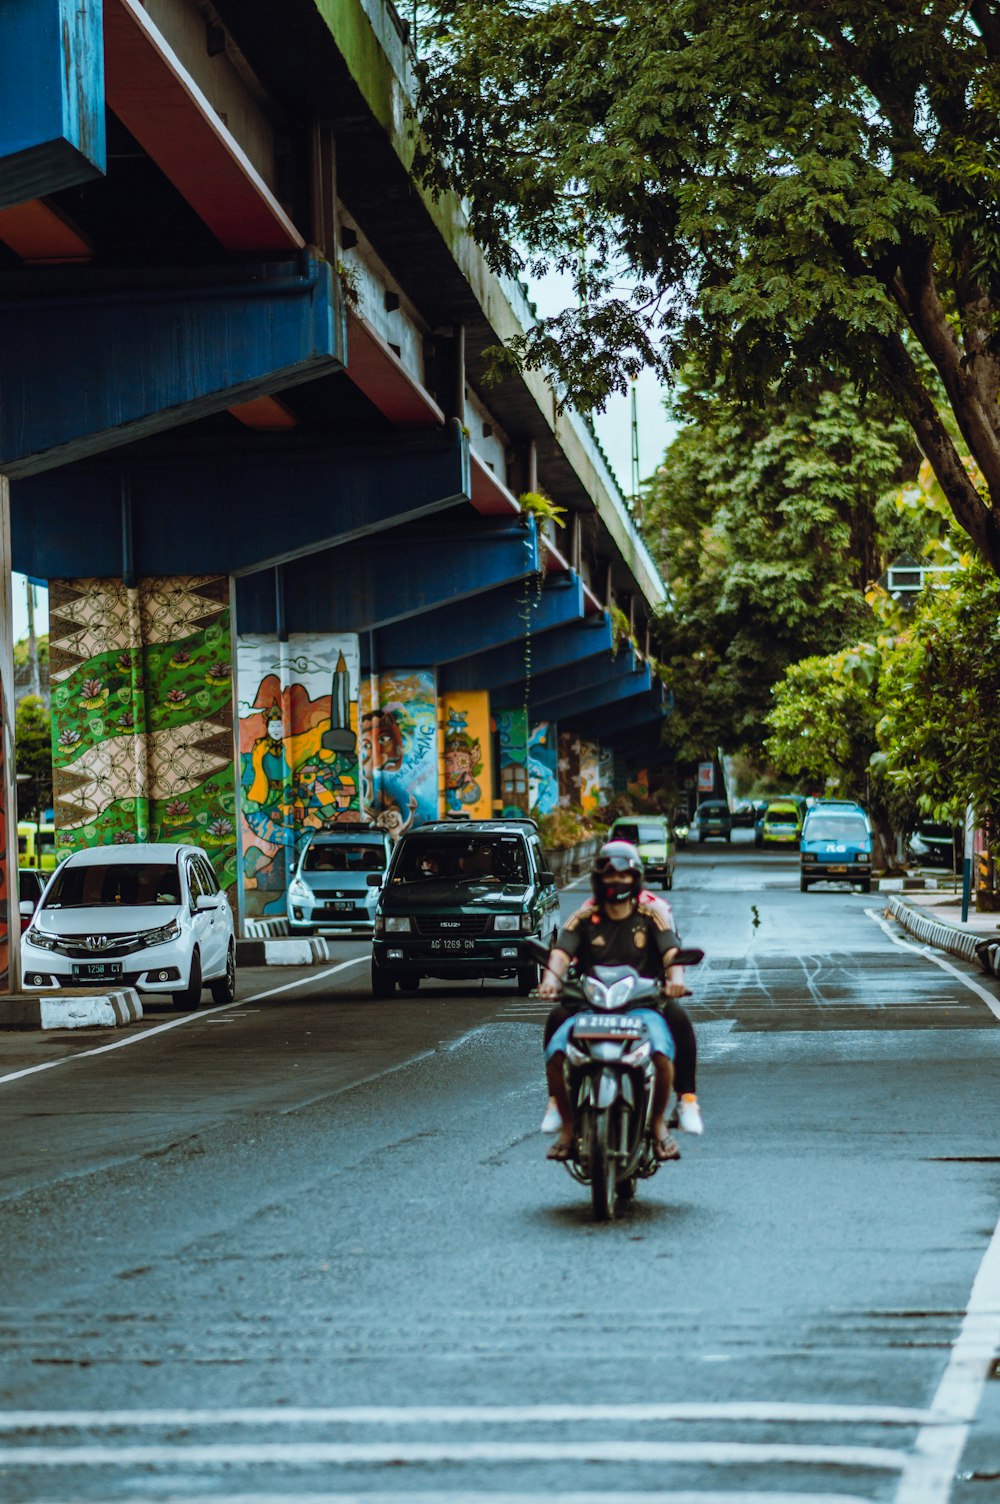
[(36, 845)]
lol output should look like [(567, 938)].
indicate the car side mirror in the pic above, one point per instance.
[(546, 878), (26, 907), (204, 903), (374, 879)]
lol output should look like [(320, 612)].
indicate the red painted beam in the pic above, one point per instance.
[(156, 99), (381, 375), (489, 495), (42, 235), (266, 414)]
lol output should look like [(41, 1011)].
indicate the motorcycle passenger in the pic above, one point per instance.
[(622, 926)]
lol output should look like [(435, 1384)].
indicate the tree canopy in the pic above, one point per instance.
[(771, 520), (777, 190)]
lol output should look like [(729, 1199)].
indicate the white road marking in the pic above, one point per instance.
[(760, 1411), (175, 1023), (930, 1471), (368, 1454), (927, 952), (464, 1496)]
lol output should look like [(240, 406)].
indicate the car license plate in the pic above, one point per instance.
[(343, 908), (453, 944), (96, 971), (607, 1026), (836, 869)]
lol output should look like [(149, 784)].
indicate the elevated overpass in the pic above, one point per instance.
[(246, 435)]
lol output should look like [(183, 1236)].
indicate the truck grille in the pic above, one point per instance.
[(469, 924)]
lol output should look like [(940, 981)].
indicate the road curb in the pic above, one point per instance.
[(309, 950), (940, 934), (70, 1010)]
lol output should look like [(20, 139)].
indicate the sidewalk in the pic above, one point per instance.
[(934, 915)]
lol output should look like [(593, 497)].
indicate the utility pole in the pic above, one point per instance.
[(36, 682), (636, 483)]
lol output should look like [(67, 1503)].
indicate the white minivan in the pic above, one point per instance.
[(145, 915)]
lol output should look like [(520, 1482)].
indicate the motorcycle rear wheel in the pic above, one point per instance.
[(602, 1168)]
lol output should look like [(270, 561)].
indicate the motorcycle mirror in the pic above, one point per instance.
[(688, 956), (536, 949)]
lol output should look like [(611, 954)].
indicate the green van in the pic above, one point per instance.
[(655, 841)]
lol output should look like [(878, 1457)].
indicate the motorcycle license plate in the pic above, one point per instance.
[(606, 1026), (453, 945)]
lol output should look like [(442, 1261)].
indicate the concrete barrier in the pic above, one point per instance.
[(937, 932), (70, 1009)]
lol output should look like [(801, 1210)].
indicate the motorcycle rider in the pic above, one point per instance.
[(624, 925)]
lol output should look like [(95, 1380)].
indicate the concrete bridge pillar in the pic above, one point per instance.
[(10, 929)]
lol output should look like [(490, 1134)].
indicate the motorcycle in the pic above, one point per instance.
[(609, 1075)]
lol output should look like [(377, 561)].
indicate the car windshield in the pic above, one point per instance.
[(488, 859), (115, 884), (712, 811), (638, 833), (837, 828), (344, 856), (782, 813)]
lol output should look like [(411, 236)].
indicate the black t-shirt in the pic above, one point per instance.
[(591, 939)]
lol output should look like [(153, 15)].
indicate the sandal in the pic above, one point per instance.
[(560, 1151), (665, 1149)]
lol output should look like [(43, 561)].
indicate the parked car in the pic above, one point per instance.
[(933, 844), (836, 845), (329, 889), (712, 818), (459, 900), (653, 837), (782, 823), (30, 887), (150, 916)]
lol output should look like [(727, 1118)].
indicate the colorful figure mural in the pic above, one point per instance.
[(399, 749), (543, 776), (142, 715), (298, 752), (569, 769), (590, 777), (468, 777), (512, 743)]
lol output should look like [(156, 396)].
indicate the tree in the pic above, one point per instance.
[(777, 190), (33, 752), (771, 521)]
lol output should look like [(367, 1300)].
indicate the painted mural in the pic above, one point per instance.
[(569, 769), (590, 777), (543, 767), (399, 749), (468, 774), (512, 745), (142, 714), (298, 753)]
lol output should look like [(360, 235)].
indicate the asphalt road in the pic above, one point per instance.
[(308, 1247)]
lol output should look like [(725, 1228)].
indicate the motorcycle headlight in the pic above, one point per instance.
[(161, 936), (595, 992), (507, 923), (43, 942), (620, 992), (398, 926), (575, 1056)]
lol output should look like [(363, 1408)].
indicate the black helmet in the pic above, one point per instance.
[(617, 872)]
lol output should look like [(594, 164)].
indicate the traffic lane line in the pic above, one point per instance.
[(928, 954), (198, 1016)]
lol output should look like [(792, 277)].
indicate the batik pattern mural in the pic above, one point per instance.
[(468, 774), (512, 746), (142, 714), (543, 770), (569, 769), (298, 753), (399, 748)]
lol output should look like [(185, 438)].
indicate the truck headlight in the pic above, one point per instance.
[(507, 923), (397, 926)]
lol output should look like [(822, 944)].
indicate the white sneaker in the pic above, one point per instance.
[(551, 1122), (689, 1114)]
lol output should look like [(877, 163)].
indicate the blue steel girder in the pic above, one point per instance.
[(553, 650), (572, 679), (231, 513), (51, 97), (460, 630), (89, 364), (373, 584), (611, 724), (564, 708)]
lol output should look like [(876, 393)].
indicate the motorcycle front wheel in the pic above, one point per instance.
[(602, 1167)]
